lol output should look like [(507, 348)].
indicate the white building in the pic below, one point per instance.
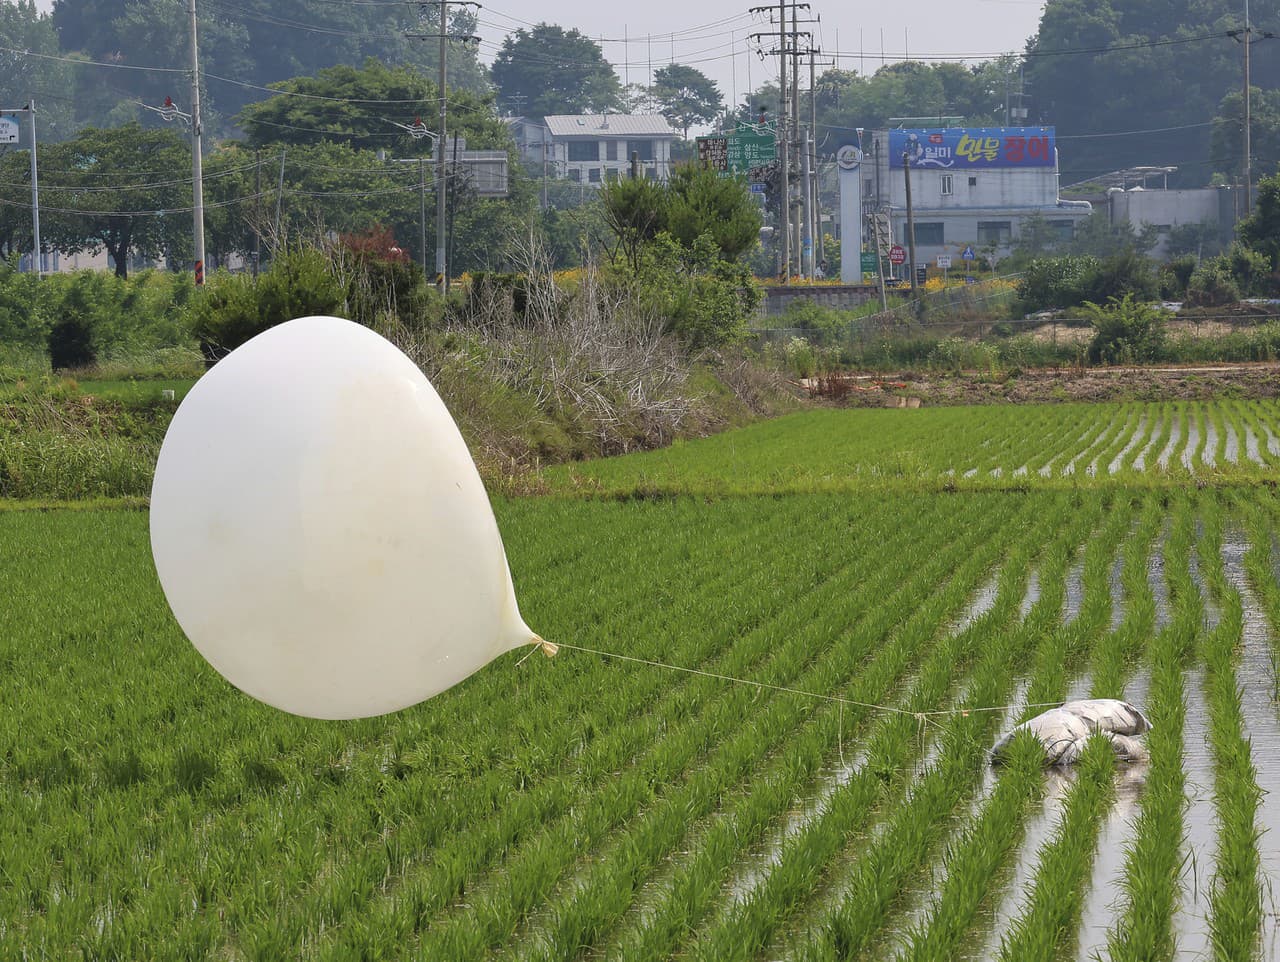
[(970, 187), (1216, 207), (593, 148)]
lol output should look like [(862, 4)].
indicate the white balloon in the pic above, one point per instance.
[(320, 529)]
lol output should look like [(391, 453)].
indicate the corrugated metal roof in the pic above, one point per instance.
[(607, 125)]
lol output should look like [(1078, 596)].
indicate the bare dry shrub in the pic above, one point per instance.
[(594, 361)]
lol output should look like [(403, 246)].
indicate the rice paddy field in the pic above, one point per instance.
[(890, 589)]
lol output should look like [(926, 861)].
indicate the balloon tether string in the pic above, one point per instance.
[(920, 716)]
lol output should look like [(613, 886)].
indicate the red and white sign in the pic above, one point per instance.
[(897, 254)]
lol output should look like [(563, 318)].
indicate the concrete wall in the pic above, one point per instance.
[(838, 296)]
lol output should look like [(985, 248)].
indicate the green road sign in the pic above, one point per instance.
[(869, 265), (750, 150)]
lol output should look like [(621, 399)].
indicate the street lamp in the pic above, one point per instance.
[(417, 130)]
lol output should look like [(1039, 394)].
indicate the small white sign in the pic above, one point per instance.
[(8, 130), (944, 262)]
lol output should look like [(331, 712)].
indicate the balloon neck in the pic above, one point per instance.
[(547, 648)]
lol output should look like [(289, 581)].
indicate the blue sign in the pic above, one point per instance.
[(970, 280), (968, 252), (757, 187), (971, 148)]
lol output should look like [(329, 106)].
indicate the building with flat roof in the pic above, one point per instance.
[(971, 187), (590, 149)]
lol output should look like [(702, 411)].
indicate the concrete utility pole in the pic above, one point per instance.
[(442, 266), (197, 171), (911, 223), (442, 260), (784, 144), (1248, 166), (806, 239), (30, 111)]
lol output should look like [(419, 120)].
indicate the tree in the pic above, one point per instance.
[(701, 202), (356, 106), (126, 190), (548, 70), (686, 96), (257, 43), (22, 77), (1226, 143), (1260, 231)]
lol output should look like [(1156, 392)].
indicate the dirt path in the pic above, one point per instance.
[(1048, 386)]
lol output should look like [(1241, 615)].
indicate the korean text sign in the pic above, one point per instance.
[(970, 148)]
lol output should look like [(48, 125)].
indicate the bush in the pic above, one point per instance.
[(1055, 282), (1212, 284), (1175, 277), (71, 343), (233, 308), (1126, 331), (822, 325)]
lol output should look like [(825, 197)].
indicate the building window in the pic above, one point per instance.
[(575, 175), (593, 175), (1062, 230), (997, 232), (928, 233), (948, 185), (868, 189), (610, 150), (642, 147), (580, 150), (973, 181)]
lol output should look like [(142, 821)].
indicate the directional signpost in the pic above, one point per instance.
[(9, 130)]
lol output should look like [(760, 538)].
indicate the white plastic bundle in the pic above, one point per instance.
[(1063, 731)]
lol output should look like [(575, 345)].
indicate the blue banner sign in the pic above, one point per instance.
[(969, 148)]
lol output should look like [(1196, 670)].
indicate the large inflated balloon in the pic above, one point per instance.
[(321, 531)]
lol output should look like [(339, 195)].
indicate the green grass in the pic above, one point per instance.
[(584, 808)]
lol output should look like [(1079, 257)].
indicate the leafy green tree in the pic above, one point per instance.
[(22, 77), (550, 70), (1261, 229), (359, 107), (702, 203), (1126, 331), (125, 190), (1226, 144), (258, 43), (686, 96), (635, 212), (15, 203)]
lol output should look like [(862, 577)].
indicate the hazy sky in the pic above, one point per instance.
[(713, 35)]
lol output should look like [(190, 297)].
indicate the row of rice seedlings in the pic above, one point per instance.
[(974, 863), (1261, 568), (389, 914), (1073, 424), (796, 615), (772, 789), (912, 832), (1052, 912), (725, 767), (1144, 926), (1145, 456), (1128, 434), (126, 674), (1266, 417), (1137, 439), (747, 923), (1235, 919), (624, 736), (1111, 427), (1005, 437)]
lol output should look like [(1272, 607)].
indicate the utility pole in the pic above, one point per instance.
[(442, 266), (1248, 166), (36, 260), (911, 223), (783, 139), (257, 212), (442, 260), (197, 172)]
